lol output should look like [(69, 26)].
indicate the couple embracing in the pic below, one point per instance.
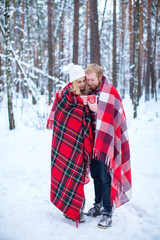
[(89, 136)]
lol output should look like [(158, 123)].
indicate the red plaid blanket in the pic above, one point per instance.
[(71, 149), (111, 142), (51, 115)]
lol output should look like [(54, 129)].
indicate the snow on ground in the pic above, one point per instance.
[(25, 209)]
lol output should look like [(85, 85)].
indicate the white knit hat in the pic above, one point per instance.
[(76, 72)]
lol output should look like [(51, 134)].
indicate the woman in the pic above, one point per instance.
[(71, 147)]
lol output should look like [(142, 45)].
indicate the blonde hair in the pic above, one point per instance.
[(93, 67), (75, 87)]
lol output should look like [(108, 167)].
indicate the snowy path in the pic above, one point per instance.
[(25, 209)]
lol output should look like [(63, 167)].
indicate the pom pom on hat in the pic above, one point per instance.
[(76, 72)]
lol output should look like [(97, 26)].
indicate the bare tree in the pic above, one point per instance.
[(136, 59), (131, 46), (22, 28), (148, 71), (154, 90), (76, 32), (8, 64), (14, 15), (94, 34), (1, 71), (121, 63), (140, 77), (50, 51), (86, 34), (61, 41), (114, 49)]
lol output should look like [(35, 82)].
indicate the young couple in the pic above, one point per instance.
[(92, 136)]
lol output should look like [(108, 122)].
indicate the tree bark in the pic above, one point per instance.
[(120, 63), (1, 71), (136, 59), (61, 41), (14, 15), (114, 49), (140, 77), (22, 28), (50, 52), (8, 65), (131, 45), (94, 34), (154, 90), (148, 71), (76, 32), (86, 35)]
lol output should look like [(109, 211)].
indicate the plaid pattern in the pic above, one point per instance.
[(71, 150), (111, 142), (51, 115)]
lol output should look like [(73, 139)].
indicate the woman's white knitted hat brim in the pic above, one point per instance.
[(76, 72)]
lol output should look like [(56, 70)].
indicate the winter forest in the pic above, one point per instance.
[(38, 39)]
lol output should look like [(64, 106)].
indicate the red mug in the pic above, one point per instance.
[(92, 98), (85, 99)]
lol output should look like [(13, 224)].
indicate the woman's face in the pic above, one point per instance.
[(81, 83)]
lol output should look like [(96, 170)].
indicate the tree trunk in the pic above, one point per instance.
[(50, 52), (153, 78), (86, 35), (39, 47), (76, 32), (8, 65), (131, 46), (114, 55), (1, 72), (148, 71), (22, 28), (154, 90), (94, 34), (22, 53), (14, 15), (61, 42), (120, 63), (140, 77), (136, 57)]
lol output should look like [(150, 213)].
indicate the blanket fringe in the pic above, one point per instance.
[(98, 155)]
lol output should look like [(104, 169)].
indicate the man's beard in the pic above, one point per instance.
[(93, 88)]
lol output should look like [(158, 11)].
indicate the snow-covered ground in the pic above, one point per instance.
[(26, 212)]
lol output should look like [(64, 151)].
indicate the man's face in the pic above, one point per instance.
[(93, 81), (81, 83)]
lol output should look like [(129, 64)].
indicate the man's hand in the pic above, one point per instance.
[(93, 106)]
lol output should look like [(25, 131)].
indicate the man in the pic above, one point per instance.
[(110, 167)]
